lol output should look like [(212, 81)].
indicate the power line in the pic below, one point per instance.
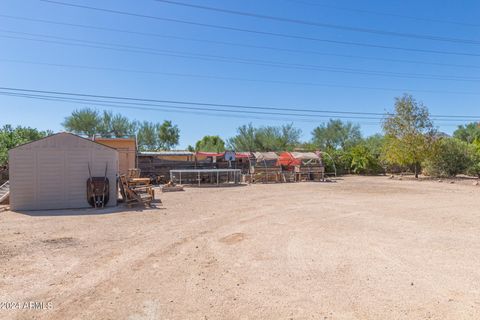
[(122, 106), (318, 24), (377, 13), (207, 104), (236, 44), (226, 59), (200, 76), (119, 106), (161, 107), (267, 33), (83, 97)]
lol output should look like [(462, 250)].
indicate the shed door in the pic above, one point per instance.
[(76, 164), (51, 189)]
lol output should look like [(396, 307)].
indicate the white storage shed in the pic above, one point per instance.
[(52, 173)]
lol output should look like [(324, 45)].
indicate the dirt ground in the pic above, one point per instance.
[(359, 248)]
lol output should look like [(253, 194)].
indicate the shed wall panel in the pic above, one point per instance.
[(52, 173)]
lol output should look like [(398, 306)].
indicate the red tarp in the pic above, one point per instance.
[(287, 159), (295, 158)]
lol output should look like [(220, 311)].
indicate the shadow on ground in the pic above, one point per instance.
[(120, 208)]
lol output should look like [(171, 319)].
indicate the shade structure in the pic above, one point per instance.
[(296, 158), (260, 156)]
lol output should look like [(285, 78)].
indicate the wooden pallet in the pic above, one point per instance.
[(311, 173), (131, 195), (261, 173), (4, 191)]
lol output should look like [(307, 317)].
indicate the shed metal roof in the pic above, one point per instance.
[(61, 134), (165, 153)]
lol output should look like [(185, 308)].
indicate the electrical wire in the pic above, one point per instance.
[(235, 44), (237, 60), (383, 14), (234, 108), (214, 77), (229, 116), (317, 24), (267, 33), (121, 106)]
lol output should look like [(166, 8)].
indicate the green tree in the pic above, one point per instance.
[(244, 140), (168, 135), (147, 136), (210, 144), (85, 121), (307, 146), (408, 133), (154, 137), (474, 168), (337, 160), (336, 134), (468, 133), (283, 138), (375, 143), (90, 122), (449, 157), (116, 126), (11, 137), (289, 138), (364, 160), (268, 138), (151, 136)]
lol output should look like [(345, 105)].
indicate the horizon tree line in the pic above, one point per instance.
[(409, 141)]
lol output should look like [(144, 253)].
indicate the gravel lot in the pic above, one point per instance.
[(360, 248)]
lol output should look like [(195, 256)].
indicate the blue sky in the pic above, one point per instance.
[(168, 77)]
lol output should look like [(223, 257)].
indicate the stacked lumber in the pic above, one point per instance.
[(266, 171), (266, 174), (288, 176), (314, 172), (135, 194), (133, 173), (4, 192)]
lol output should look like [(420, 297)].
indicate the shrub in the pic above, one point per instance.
[(449, 157), (474, 169), (364, 161)]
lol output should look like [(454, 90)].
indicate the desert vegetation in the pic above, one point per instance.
[(409, 142)]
